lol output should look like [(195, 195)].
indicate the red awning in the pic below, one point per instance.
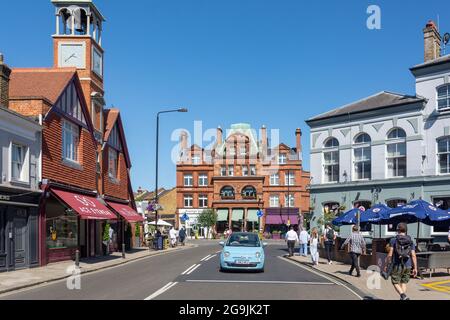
[(127, 212), (86, 206), (283, 219)]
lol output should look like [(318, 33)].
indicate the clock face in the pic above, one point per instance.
[(97, 65), (72, 55)]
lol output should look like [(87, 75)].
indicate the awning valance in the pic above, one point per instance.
[(88, 207), (283, 219), (126, 212), (252, 215), (222, 215), (237, 215)]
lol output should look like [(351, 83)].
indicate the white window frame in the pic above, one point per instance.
[(274, 201), (113, 172), (196, 160), (368, 162), (388, 173), (252, 170), (190, 200), (438, 163), (274, 179), (230, 170), (74, 130), (245, 171), (447, 97), (203, 198), (282, 158), (203, 180), (331, 164), (289, 178), (25, 168), (287, 200), (223, 171), (190, 178)]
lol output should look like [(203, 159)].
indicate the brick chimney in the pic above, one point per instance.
[(432, 40), (298, 145), (183, 145), (219, 135), (5, 72), (264, 140)]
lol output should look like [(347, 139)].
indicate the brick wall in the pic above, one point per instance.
[(52, 164), (29, 108)]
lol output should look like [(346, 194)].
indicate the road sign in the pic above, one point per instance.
[(184, 217), (260, 213)]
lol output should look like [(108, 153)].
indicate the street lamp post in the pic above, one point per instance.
[(157, 157)]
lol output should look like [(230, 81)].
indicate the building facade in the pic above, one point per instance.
[(387, 148), (240, 175), (85, 161), (20, 172)]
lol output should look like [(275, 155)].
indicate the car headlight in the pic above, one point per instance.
[(226, 254), (258, 255)]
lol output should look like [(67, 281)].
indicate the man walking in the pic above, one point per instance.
[(173, 237), (357, 247), (291, 239), (182, 235), (329, 238), (303, 240), (402, 255)]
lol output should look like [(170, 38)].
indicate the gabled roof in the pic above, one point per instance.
[(112, 117), (39, 83), (380, 100)]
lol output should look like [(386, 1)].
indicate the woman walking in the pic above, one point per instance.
[(313, 246)]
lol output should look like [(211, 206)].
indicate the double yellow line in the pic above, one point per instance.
[(442, 286)]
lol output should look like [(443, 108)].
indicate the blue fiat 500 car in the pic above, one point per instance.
[(242, 251)]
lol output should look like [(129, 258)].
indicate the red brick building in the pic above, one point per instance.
[(240, 175), (85, 160)]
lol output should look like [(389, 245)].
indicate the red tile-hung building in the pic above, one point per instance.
[(85, 165), (240, 175)]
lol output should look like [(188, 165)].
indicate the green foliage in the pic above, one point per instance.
[(106, 232), (137, 230), (208, 218)]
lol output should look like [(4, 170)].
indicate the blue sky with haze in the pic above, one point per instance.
[(264, 62)]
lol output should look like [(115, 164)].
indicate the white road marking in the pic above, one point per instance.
[(265, 282), (323, 276), (192, 270), (219, 251), (188, 269), (162, 290), (210, 257), (206, 257)]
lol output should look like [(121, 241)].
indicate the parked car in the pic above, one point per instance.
[(242, 251)]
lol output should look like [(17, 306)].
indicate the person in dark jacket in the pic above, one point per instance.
[(182, 235)]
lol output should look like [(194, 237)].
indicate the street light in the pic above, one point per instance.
[(157, 156)]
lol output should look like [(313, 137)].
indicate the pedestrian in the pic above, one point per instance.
[(329, 237), (182, 235), (357, 247), (173, 237), (402, 255), (448, 237), (313, 246), (291, 239), (303, 240)]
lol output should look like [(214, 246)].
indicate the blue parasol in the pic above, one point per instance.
[(348, 218)]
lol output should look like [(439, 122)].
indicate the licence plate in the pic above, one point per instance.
[(242, 262)]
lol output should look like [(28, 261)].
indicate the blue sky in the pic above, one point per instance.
[(273, 63)]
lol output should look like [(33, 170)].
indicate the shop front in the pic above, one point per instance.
[(279, 220), (18, 229), (193, 228), (132, 218), (73, 221)]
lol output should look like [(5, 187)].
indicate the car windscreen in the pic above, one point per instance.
[(243, 240)]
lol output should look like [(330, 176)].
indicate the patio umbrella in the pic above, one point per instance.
[(348, 218), (160, 223), (375, 215), (438, 218)]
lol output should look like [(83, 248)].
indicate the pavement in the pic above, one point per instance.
[(372, 284), (193, 274), (20, 279)]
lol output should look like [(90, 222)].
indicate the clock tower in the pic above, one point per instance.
[(77, 43)]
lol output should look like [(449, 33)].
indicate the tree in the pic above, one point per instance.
[(208, 218)]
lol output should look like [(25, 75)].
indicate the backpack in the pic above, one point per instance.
[(330, 235), (403, 247)]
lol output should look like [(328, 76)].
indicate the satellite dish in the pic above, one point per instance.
[(446, 38)]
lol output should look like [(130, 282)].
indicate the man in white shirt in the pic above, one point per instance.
[(291, 239), (304, 239), (173, 236)]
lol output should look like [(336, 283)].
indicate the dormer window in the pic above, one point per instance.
[(443, 98), (282, 158), (196, 160)]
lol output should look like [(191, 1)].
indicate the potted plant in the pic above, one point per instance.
[(106, 239), (137, 234)]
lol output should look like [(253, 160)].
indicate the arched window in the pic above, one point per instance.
[(444, 155), (331, 160), (249, 192), (443, 97), (396, 153), (362, 156), (227, 192)]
